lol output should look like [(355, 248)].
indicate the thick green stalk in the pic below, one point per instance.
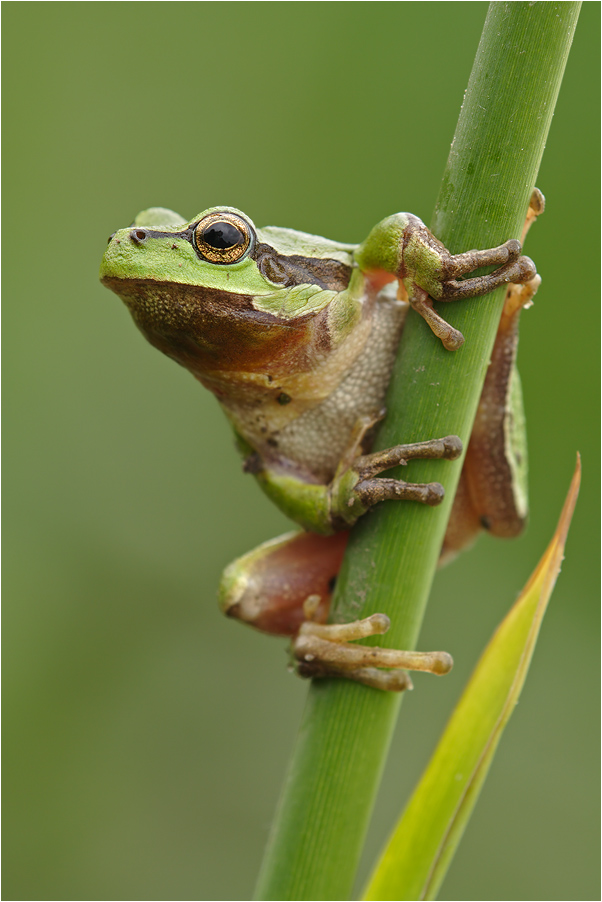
[(336, 767)]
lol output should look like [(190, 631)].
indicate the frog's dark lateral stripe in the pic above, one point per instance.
[(281, 269), (294, 269), (139, 234)]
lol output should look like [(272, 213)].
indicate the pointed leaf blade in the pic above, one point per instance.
[(420, 850)]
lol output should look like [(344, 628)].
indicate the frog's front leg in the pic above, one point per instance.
[(354, 488), (402, 247), (284, 588)]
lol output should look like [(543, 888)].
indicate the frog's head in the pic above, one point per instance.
[(217, 294)]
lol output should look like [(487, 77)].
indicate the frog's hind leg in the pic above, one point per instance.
[(537, 206), (285, 586), (496, 459), (268, 587), (492, 493), (464, 524)]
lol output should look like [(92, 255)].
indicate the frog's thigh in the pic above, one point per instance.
[(268, 587), (492, 493), (495, 468), (464, 524), (496, 460)]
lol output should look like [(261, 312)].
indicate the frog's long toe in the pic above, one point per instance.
[(516, 270), (323, 650), (370, 491), (447, 448), (455, 265)]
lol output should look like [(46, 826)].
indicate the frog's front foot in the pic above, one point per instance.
[(443, 278), (355, 488), (323, 650)]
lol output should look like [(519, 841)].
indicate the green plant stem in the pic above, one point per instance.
[(336, 767)]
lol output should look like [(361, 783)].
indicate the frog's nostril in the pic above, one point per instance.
[(111, 237), (138, 235)]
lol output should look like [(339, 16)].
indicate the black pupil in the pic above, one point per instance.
[(223, 235)]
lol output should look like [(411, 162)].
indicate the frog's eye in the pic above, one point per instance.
[(223, 237)]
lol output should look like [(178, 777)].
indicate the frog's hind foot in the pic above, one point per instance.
[(323, 650), (518, 297), (370, 491)]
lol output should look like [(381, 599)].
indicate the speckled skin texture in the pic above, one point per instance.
[(318, 438)]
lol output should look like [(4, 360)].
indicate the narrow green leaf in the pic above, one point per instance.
[(416, 859)]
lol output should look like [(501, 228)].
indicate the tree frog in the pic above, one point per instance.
[(295, 335)]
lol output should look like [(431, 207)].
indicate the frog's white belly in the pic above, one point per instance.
[(317, 439)]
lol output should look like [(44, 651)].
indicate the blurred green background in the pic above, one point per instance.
[(146, 737)]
